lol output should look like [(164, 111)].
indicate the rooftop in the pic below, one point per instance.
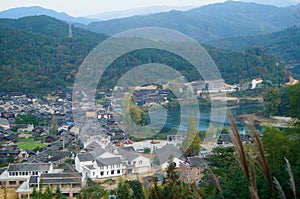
[(29, 167)]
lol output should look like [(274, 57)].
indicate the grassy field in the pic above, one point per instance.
[(29, 144)]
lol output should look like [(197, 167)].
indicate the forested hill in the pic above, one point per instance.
[(285, 44), (36, 56), (210, 22)]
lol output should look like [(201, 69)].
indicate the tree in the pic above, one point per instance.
[(147, 150), (137, 189), (191, 144), (58, 194), (48, 193), (123, 190), (294, 105), (211, 131), (272, 100), (34, 194), (95, 191), (137, 114), (27, 119)]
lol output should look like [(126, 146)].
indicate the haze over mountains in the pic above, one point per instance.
[(137, 11), (20, 12), (210, 22)]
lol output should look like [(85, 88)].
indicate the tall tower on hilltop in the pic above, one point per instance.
[(70, 36)]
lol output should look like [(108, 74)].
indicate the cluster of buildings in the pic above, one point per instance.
[(101, 152)]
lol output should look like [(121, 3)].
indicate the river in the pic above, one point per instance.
[(174, 117)]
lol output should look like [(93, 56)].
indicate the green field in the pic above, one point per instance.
[(29, 144)]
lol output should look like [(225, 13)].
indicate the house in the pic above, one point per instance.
[(135, 162), (69, 183), (4, 123), (38, 131), (16, 174), (58, 157), (106, 165), (255, 82), (83, 159), (192, 170), (216, 85), (8, 138), (25, 127), (50, 138), (9, 151), (226, 139), (169, 153)]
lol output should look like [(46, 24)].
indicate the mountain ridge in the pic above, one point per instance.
[(19, 12), (209, 22)]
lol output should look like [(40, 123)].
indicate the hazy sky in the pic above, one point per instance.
[(91, 7)]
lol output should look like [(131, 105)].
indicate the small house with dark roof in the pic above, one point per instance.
[(226, 139)]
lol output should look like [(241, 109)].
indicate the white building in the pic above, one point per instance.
[(135, 162), (255, 82), (19, 173), (92, 166)]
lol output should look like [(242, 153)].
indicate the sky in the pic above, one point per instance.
[(91, 7)]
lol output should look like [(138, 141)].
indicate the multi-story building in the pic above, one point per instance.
[(191, 170), (16, 174)]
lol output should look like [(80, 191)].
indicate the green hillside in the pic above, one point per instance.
[(36, 56), (284, 45)]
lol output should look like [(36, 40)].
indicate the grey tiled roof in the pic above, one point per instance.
[(29, 167), (92, 146), (128, 155), (166, 152), (61, 175), (61, 181), (84, 157), (108, 161), (98, 151), (33, 180), (196, 162), (61, 178), (90, 167)]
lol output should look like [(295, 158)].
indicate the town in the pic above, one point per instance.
[(40, 141)]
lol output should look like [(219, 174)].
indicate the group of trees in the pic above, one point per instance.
[(47, 193), (283, 101), (37, 56), (225, 174)]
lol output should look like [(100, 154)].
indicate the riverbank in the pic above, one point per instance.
[(275, 121)]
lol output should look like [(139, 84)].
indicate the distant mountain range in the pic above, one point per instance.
[(210, 22), (206, 23), (20, 12), (137, 11), (280, 3)]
